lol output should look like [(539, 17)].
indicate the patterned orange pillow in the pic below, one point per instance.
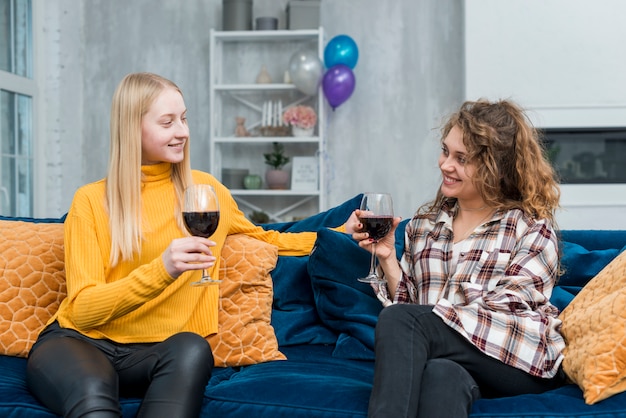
[(245, 335), (594, 328), (32, 281)]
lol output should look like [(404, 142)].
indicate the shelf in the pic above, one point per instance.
[(270, 87), (266, 139), (267, 35), (270, 192)]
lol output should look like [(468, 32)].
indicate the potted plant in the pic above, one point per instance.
[(302, 120), (259, 217), (276, 177)]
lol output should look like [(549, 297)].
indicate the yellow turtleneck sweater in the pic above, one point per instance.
[(137, 300)]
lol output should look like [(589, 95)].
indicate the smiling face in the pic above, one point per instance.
[(457, 172), (164, 130)]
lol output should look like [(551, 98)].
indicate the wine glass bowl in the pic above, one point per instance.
[(376, 226), (376, 216), (201, 216)]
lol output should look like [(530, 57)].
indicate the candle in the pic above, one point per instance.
[(264, 114)]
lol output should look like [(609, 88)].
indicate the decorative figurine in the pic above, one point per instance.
[(240, 129)]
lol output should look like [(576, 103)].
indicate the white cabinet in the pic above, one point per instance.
[(236, 59)]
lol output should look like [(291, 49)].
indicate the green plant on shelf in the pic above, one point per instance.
[(277, 158), (259, 217)]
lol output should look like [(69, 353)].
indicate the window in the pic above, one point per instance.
[(17, 89)]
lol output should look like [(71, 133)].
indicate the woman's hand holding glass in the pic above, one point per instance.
[(376, 220), (385, 247), (384, 250), (189, 253)]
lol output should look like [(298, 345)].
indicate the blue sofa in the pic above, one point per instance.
[(324, 322)]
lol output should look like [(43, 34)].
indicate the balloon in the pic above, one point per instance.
[(341, 50), (338, 84), (305, 70)]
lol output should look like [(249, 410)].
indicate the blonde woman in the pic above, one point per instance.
[(131, 324), (467, 308)]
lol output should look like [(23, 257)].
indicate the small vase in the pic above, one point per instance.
[(301, 131), (252, 182), (277, 179), (263, 77)]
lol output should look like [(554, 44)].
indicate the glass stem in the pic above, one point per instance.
[(373, 260)]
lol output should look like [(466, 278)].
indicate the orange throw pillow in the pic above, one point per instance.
[(32, 281), (245, 335), (594, 328)]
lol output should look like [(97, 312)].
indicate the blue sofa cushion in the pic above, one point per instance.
[(564, 402), (17, 401), (310, 384), (595, 239), (35, 220)]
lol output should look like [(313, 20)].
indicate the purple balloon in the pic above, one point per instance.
[(338, 84)]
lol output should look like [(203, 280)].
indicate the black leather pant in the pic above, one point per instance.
[(77, 376), (426, 369)]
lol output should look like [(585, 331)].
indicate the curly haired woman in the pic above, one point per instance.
[(467, 307)]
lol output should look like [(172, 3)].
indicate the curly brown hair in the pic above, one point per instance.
[(512, 170)]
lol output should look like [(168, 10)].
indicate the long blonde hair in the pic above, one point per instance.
[(131, 101), (512, 170)]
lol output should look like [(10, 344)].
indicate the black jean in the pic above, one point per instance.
[(77, 376), (426, 369)]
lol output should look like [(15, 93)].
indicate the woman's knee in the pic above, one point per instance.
[(391, 314), (399, 317), (192, 349), (447, 376), (72, 377), (445, 382)]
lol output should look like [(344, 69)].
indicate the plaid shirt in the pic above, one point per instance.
[(498, 295)]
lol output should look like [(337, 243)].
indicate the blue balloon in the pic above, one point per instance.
[(341, 50)]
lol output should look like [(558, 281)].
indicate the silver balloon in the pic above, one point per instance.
[(305, 71)]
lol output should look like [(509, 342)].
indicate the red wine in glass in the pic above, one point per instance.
[(377, 218), (201, 215), (201, 224), (376, 226)]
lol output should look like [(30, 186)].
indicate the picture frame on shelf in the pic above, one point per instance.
[(304, 174)]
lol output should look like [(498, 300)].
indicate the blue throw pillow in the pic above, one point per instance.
[(581, 265), (344, 304), (563, 295), (294, 316)]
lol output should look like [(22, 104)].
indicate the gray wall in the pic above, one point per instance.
[(409, 74)]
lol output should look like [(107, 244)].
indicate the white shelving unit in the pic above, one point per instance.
[(236, 58)]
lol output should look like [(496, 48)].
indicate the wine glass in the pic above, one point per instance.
[(377, 218), (201, 214)]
